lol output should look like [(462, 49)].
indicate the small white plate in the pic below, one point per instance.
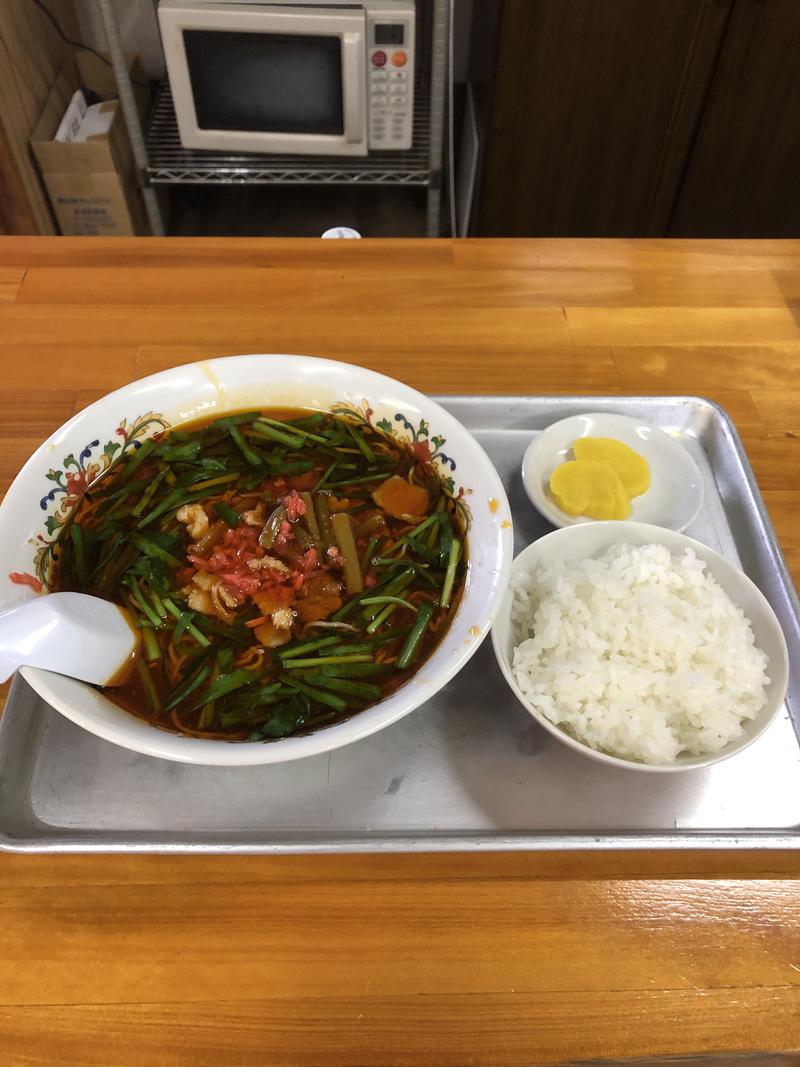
[(676, 489)]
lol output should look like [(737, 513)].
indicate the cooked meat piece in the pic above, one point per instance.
[(223, 599), (200, 600), (256, 516), (195, 518), (321, 597), (283, 618), (269, 563)]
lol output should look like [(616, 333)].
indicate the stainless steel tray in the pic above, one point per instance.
[(470, 769)]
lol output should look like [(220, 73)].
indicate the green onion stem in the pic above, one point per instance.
[(151, 696), (360, 690), (152, 649), (188, 686), (148, 494), (326, 474), (250, 456), (449, 578), (146, 609), (316, 661), (176, 613), (289, 429), (158, 604), (361, 444), (210, 482), (316, 694), (366, 559), (361, 480), (390, 600), (290, 440), (414, 638), (224, 684), (227, 513), (324, 519), (290, 651), (135, 461), (412, 533), (310, 517)]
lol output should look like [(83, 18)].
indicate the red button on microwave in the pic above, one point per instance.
[(379, 59)]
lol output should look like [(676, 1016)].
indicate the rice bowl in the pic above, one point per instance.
[(640, 647)]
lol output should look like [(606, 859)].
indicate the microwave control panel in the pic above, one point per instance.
[(390, 79)]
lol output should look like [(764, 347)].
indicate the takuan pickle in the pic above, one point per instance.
[(602, 479)]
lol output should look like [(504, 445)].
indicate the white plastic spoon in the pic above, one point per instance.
[(81, 636)]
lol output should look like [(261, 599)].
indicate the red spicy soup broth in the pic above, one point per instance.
[(287, 569)]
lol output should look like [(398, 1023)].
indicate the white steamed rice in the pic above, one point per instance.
[(637, 653)]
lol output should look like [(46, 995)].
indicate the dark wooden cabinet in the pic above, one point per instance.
[(644, 118), (743, 174)]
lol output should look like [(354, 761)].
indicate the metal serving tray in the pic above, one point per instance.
[(468, 770)]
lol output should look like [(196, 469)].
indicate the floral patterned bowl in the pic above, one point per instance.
[(53, 480)]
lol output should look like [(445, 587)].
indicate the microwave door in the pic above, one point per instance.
[(272, 81)]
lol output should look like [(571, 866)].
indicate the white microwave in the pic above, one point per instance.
[(331, 79)]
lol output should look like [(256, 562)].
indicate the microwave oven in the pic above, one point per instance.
[(330, 79)]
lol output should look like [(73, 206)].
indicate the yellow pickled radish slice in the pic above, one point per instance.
[(632, 468), (585, 487), (622, 502), (572, 485), (603, 504)]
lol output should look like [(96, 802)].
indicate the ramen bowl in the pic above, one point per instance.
[(53, 481)]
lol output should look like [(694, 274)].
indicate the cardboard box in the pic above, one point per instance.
[(91, 184)]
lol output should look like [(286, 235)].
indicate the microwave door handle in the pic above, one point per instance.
[(353, 68)]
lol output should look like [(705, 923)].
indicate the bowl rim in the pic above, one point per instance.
[(164, 744), (609, 759)]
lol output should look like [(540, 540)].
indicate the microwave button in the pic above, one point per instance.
[(399, 59), (380, 101), (379, 75), (398, 99), (379, 59)]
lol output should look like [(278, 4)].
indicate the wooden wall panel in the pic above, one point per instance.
[(596, 103), (743, 178), (31, 54)]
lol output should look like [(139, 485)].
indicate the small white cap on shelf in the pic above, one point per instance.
[(341, 231)]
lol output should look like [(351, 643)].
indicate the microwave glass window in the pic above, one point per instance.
[(389, 33), (266, 82)]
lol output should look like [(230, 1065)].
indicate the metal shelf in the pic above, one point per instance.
[(162, 160), (170, 163)]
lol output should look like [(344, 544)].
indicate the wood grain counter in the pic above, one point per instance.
[(413, 959)]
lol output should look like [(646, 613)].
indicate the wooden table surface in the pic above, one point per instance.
[(408, 959)]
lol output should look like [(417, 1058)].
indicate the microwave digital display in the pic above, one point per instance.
[(389, 33), (282, 83)]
